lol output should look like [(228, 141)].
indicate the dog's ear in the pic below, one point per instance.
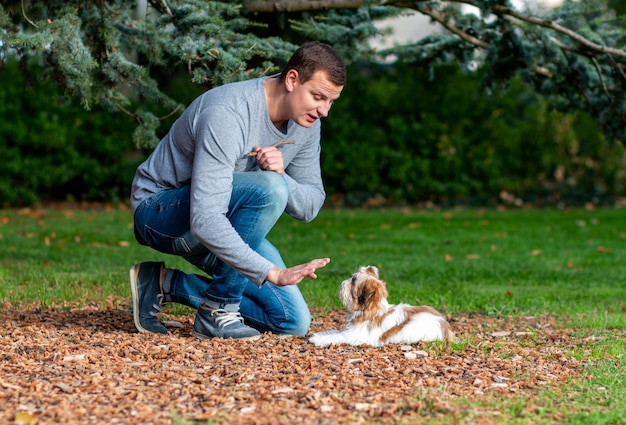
[(371, 293), (364, 299), (373, 270)]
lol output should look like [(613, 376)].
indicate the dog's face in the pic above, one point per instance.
[(363, 292)]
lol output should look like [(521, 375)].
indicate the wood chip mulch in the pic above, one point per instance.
[(88, 365)]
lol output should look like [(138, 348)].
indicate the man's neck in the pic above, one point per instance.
[(274, 94)]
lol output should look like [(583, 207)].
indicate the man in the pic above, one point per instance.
[(237, 158)]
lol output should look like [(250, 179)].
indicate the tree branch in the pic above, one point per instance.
[(161, 6), (280, 142), (619, 67), (26, 17), (301, 5), (452, 28), (600, 76), (308, 5), (561, 29), (467, 37)]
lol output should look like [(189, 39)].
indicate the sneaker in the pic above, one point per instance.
[(145, 287), (221, 323)]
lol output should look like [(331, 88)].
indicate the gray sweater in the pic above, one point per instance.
[(207, 144)]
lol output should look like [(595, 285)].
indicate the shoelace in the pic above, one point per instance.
[(224, 318), (158, 308)]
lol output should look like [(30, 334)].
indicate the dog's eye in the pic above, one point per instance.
[(353, 280)]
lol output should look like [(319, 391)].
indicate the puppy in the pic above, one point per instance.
[(371, 320)]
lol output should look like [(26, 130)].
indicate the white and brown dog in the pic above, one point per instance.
[(373, 321)]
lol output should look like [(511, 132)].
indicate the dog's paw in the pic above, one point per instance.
[(317, 339), (322, 339)]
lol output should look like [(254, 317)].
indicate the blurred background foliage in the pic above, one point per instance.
[(398, 135), (406, 136)]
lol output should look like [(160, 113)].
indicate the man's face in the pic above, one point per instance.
[(312, 100)]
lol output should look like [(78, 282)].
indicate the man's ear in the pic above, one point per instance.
[(291, 79)]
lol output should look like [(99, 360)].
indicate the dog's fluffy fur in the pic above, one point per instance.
[(373, 321)]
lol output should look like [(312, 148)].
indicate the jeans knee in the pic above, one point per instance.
[(275, 187), (297, 325)]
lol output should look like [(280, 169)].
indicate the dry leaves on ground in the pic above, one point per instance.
[(88, 365)]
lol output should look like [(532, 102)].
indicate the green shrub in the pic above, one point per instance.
[(55, 150), (395, 133), (398, 133)]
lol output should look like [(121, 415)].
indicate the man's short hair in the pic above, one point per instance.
[(315, 56)]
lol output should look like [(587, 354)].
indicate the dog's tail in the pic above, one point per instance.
[(446, 331)]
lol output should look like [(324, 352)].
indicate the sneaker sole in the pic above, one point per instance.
[(203, 337), (134, 273)]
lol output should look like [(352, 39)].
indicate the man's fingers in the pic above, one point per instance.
[(269, 159), (320, 261), (295, 275), (317, 264)]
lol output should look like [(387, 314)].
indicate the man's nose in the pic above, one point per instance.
[(324, 109)]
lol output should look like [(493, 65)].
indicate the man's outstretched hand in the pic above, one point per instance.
[(294, 275)]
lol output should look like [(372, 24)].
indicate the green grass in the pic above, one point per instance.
[(570, 264), (493, 262)]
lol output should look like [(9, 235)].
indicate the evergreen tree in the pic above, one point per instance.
[(574, 55), (110, 52), (107, 52)]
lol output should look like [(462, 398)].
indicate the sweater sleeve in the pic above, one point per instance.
[(304, 180), (218, 145)]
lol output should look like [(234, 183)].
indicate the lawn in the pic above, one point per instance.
[(485, 269)]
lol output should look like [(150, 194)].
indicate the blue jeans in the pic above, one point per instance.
[(162, 223)]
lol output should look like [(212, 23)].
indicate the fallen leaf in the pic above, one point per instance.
[(283, 390), (173, 323), (86, 363), (10, 386), (413, 355), (499, 385), (74, 357), (64, 387), (25, 418)]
